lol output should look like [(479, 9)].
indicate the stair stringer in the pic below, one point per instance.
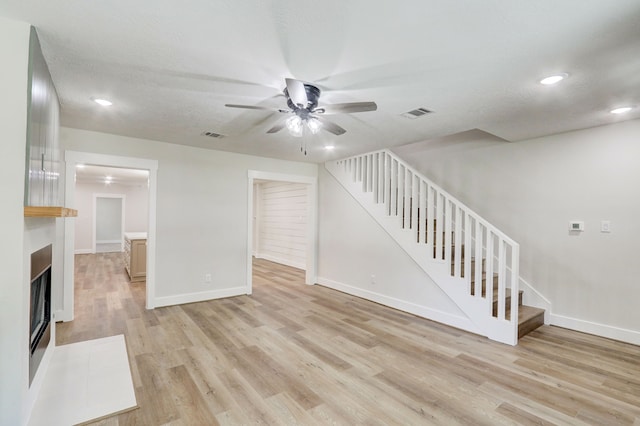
[(477, 310)]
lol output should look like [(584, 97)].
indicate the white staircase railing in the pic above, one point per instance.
[(445, 237)]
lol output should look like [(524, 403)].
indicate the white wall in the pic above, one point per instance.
[(21, 236), (281, 213), (532, 189), (109, 226), (353, 248), (136, 210), (201, 211), (14, 50)]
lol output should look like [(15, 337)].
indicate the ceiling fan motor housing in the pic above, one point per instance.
[(313, 93)]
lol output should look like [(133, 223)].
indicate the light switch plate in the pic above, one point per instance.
[(605, 226)]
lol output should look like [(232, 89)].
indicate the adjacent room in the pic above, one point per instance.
[(287, 212), (111, 226)]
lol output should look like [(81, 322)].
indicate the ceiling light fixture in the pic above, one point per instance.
[(294, 125), (103, 102), (329, 147), (314, 125), (553, 79), (297, 124), (621, 110)]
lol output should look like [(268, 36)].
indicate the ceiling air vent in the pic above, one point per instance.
[(212, 135), (416, 113)]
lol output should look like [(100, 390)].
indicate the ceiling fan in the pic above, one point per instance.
[(302, 100)]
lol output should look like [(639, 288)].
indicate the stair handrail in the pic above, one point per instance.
[(440, 190)]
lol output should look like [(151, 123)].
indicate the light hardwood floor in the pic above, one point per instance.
[(297, 354)]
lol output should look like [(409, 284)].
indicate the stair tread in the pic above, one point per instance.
[(529, 318), (526, 312)]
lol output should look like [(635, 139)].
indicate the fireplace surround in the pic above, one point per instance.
[(40, 308)]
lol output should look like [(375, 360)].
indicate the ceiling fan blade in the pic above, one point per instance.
[(276, 128), (331, 127), (297, 92), (251, 107), (347, 108)]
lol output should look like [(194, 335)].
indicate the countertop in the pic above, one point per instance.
[(135, 235)]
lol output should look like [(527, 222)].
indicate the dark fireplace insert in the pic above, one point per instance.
[(40, 310)]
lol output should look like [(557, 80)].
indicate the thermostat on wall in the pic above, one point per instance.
[(576, 225)]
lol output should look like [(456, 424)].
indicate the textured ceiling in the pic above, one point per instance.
[(169, 67)]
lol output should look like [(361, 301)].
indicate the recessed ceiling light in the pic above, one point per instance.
[(553, 79), (103, 102), (329, 147), (621, 110)]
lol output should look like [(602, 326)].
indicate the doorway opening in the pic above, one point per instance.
[(282, 222), (84, 235)]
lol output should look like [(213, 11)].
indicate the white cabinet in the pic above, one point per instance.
[(135, 255)]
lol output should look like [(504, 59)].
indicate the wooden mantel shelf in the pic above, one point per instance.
[(38, 211)]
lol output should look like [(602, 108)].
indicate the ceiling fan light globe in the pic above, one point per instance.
[(294, 125), (314, 125), (294, 122)]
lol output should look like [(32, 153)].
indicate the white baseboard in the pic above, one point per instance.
[(199, 296), (281, 260), (84, 251), (456, 321), (108, 241), (602, 330), (534, 298)]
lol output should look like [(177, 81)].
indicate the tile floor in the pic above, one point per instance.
[(85, 381)]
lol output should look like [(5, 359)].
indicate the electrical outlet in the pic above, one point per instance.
[(207, 278), (373, 279)]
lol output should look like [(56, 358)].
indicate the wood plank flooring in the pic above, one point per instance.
[(296, 354)]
